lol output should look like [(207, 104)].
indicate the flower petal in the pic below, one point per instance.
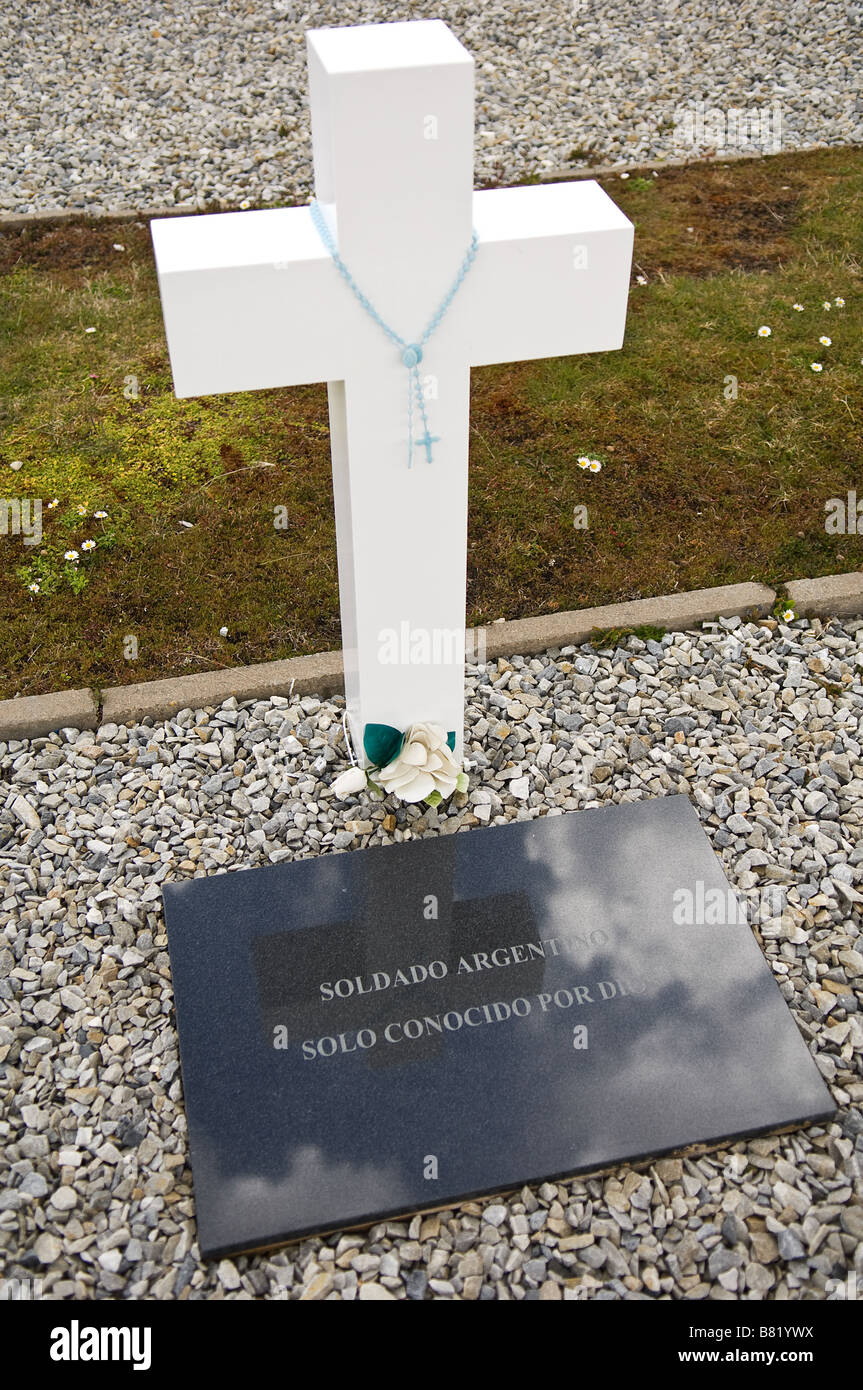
[(415, 754), (419, 788), (354, 780)]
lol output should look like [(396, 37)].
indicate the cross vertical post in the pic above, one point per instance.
[(392, 136)]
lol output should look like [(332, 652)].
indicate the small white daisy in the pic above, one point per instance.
[(827, 304), (81, 509), (55, 502), (594, 465), (825, 342), (88, 545), (798, 307), (641, 279), (764, 331), (839, 302), (584, 461), (34, 588), (816, 366), (787, 615), (70, 555), (245, 204), (100, 515)]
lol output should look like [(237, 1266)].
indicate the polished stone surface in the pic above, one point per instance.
[(348, 1056)]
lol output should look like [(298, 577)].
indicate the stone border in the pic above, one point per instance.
[(300, 675), (31, 716), (837, 595), (834, 596), (17, 221), (676, 611)]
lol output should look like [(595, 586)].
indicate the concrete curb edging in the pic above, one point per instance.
[(835, 596), (33, 716), (676, 611), (18, 221), (320, 674)]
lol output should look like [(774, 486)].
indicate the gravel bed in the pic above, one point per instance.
[(760, 724), (180, 104)]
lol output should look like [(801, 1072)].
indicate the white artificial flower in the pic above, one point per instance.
[(424, 765), (354, 780)]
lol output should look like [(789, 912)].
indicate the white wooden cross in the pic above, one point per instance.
[(253, 300)]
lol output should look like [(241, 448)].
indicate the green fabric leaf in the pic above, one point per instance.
[(462, 781), (433, 799), (382, 743), (450, 738)]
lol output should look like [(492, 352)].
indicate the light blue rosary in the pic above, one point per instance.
[(411, 353)]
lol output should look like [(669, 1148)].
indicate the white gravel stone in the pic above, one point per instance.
[(64, 1199), (26, 813), (47, 1248)]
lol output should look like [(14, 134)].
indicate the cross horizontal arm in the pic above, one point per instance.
[(552, 274), (250, 301)]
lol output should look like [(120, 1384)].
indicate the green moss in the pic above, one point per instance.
[(612, 637)]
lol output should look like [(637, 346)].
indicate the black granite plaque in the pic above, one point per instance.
[(367, 1034)]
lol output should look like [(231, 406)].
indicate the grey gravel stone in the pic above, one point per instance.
[(790, 1247)]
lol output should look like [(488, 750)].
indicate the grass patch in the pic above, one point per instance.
[(719, 449)]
